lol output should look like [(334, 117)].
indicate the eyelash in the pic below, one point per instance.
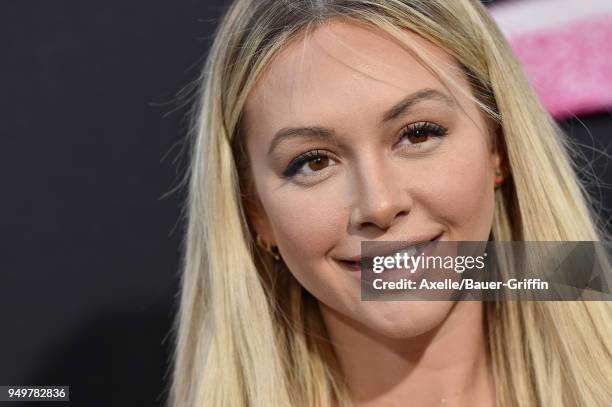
[(414, 129), (425, 128), (305, 158)]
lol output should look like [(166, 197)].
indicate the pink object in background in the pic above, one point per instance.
[(565, 47)]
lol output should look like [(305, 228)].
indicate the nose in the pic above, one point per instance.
[(382, 196)]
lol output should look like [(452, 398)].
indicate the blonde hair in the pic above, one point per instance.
[(248, 334)]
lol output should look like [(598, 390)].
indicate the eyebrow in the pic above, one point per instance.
[(404, 105), (397, 110)]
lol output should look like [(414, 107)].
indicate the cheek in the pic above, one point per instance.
[(460, 193), (306, 224)]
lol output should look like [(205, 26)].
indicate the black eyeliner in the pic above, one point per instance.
[(298, 162)]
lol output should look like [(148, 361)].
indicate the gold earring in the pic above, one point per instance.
[(271, 249)]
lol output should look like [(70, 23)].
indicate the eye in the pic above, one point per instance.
[(421, 132), (309, 163)]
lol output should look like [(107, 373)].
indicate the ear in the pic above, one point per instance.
[(499, 155), (258, 219)]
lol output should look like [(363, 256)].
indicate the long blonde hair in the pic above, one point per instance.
[(248, 334)]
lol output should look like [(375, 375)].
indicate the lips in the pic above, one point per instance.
[(350, 265), (388, 249)]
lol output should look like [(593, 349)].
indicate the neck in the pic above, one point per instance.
[(446, 366)]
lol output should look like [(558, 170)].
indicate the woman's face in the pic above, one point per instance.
[(350, 138)]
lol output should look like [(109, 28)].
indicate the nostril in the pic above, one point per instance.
[(402, 213)]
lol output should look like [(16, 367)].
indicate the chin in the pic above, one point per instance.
[(403, 319)]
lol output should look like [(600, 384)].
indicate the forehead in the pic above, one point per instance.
[(340, 71)]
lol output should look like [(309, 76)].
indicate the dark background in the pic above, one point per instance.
[(89, 250), (91, 134)]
